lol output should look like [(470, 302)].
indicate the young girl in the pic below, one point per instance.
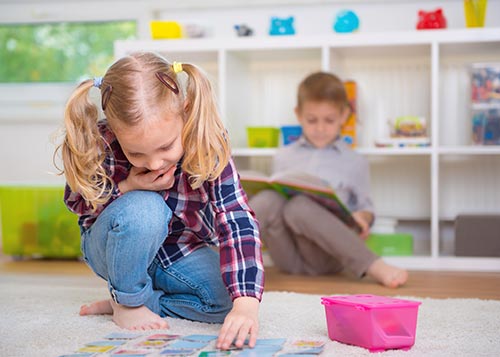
[(302, 236), (154, 186)]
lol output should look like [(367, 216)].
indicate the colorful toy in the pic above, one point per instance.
[(346, 21), (486, 127), (281, 26), (431, 19), (485, 83), (348, 130), (408, 126), (377, 323), (243, 30)]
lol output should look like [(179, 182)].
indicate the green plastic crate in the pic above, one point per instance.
[(391, 244), (36, 223), (263, 137)]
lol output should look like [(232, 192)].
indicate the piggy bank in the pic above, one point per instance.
[(281, 26), (346, 21), (431, 19)]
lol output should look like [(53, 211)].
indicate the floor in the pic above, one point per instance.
[(421, 283)]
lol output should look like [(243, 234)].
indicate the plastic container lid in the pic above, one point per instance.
[(368, 301)]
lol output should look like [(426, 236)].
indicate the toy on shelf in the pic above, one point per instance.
[(346, 21), (475, 12), (282, 26), (486, 126), (431, 19), (485, 108), (406, 131), (485, 83), (194, 31), (348, 130), (243, 30)]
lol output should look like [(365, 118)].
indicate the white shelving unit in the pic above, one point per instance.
[(421, 73)]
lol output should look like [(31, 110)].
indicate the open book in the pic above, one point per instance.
[(299, 183)]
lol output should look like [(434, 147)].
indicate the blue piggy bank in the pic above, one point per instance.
[(346, 21), (281, 26)]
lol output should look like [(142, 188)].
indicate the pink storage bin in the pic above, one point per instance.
[(377, 323)]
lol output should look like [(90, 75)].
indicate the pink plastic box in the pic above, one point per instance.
[(374, 322)]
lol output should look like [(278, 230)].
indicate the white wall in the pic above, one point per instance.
[(25, 128)]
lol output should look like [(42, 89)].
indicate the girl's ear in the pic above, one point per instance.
[(186, 106)]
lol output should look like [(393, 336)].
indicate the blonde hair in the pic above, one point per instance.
[(322, 86), (130, 90)]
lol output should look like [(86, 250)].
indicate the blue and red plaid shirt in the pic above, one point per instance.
[(217, 213)]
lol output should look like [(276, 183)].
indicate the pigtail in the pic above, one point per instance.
[(83, 148), (204, 138)]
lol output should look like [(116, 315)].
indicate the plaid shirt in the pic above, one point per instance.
[(217, 213)]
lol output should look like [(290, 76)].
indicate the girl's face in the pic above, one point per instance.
[(321, 121), (154, 145)]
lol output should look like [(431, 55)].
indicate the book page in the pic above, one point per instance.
[(254, 181), (302, 179)]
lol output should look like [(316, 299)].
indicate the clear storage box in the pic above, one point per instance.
[(36, 223), (486, 125), (485, 79), (376, 323)]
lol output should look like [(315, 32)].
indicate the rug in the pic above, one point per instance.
[(39, 317)]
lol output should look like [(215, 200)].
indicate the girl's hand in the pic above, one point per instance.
[(363, 218), (142, 179), (241, 321)]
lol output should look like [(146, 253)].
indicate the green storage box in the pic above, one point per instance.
[(36, 223), (387, 244), (263, 136)]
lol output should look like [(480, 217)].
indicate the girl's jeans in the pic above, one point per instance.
[(121, 248)]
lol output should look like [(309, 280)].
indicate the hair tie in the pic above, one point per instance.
[(97, 82), (167, 81), (177, 67)]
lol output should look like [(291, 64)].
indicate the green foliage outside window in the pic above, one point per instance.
[(59, 52)]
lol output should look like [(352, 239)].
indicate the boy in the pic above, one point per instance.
[(302, 236)]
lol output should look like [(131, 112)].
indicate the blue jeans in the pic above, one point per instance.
[(121, 248)]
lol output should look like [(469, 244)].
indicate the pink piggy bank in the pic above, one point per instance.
[(431, 19)]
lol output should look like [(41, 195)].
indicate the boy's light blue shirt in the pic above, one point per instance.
[(346, 170)]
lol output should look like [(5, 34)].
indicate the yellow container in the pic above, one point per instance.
[(36, 223), (262, 136), (475, 12), (165, 30)]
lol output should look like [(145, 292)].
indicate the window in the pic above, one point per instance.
[(59, 52)]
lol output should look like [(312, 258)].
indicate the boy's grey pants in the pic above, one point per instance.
[(303, 237)]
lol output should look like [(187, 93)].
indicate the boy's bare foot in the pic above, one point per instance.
[(137, 318), (102, 307), (387, 275)]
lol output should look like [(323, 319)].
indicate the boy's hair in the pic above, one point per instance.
[(132, 88), (322, 86)]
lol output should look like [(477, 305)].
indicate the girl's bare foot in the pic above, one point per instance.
[(387, 275), (137, 318), (102, 307)]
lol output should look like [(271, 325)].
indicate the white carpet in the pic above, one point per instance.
[(39, 317)]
